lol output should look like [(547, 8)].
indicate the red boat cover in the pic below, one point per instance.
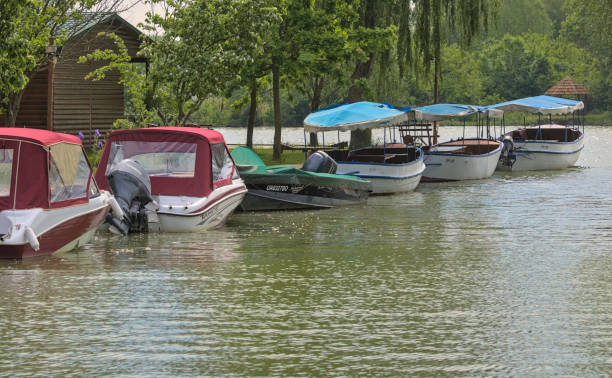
[(168, 139), (26, 163)]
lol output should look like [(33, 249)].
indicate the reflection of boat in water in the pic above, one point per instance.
[(460, 159), (284, 187), (49, 201), (550, 146), (392, 167), (170, 178)]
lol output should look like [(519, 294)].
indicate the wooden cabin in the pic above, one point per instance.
[(79, 104)]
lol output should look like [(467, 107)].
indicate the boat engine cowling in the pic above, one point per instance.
[(131, 187), (320, 162), (507, 152)]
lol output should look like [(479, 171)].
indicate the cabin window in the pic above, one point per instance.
[(6, 171), (69, 172), (222, 163), (170, 159)]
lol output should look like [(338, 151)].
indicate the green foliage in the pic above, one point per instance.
[(521, 16), (204, 46)]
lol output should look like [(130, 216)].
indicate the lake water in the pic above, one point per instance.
[(506, 276)]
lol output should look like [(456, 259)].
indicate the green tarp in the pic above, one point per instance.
[(254, 171)]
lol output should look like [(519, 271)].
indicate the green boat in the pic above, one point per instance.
[(285, 187)]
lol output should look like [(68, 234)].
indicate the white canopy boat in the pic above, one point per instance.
[(49, 201), (463, 158), (391, 167), (174, 179), (545, 146)]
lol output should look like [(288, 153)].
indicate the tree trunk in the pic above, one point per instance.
[(435, 95), (277, 112), (363, 138), (360, 138), (315, 103), (252, 113), (13, 108)]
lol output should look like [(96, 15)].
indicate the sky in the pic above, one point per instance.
[(136, 13)]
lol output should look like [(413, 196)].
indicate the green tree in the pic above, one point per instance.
[(422, 27), (205, 45), (512, 70)]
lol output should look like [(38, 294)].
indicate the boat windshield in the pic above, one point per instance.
[(222, 163), (6, 171), (69, 172), (168, 159)]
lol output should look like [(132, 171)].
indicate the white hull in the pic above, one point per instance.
[(386, 178), (543, 155), (38, 231), (455, 167), (187, 214)]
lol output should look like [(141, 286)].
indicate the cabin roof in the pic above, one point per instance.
[(567, 86), (91, 19), (211, 136)]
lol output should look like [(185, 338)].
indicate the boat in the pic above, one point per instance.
[(391, 167), (544, 146), (170, 179), (463, 158), (285, 187), (49, 201)]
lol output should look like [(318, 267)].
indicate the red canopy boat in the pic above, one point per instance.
[(49, 201), (171, 178)]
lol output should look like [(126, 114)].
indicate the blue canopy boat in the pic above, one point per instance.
[(391, 167), (463, 158), (545, 146)]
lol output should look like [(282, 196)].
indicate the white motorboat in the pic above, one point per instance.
[(391, 167), (49, 201), (175, 179), (545, 146), (461, 159)]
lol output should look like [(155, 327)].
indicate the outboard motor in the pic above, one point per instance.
[(507, 151), (131, 187), (320, 162)]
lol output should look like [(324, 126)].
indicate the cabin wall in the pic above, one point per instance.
[(33, 108), (86, 105)]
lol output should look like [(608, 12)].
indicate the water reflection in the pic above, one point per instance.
[(506, 276)]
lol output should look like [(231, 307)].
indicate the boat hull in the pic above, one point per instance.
[(189, 214), (293, 197), (542, 155), (386, 178), (443, 166), (57, 230)]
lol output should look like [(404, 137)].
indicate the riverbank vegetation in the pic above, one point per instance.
[(271, 62)]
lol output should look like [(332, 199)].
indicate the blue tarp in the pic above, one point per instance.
[(440, 112), (359, 115), (540, 104)]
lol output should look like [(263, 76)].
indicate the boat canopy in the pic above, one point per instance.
[(180, 161), (540, 104), (42, 169), (358, 115), (255, 171), (441, 112)]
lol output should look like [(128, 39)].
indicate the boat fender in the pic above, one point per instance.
[(30, 236), (117, 211)]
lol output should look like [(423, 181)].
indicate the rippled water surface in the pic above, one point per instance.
[(506, 276)]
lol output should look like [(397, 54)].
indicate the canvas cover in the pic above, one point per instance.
[(441, 112), (540, 105), (39, 163), (358, 115), (259, 173), (179, 160)]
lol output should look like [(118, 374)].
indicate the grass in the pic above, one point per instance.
[(287, 157)]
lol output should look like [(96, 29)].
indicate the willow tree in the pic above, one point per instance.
[(421, 28)]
